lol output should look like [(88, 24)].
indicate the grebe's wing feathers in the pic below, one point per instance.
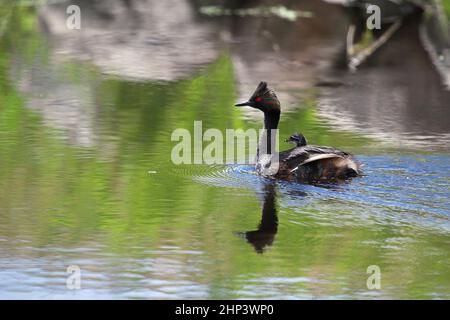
[(301, 154), (323, 149), (317, 158), (320, 157), (298, 154)]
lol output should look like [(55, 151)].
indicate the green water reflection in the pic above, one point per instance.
[(120, 195)]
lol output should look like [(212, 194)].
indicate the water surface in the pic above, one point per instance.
[(86, 177)]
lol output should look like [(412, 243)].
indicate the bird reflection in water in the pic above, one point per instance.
[(268, 227)]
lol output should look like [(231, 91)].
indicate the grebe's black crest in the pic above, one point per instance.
[(264, 99)]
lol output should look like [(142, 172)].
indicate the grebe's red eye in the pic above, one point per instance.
[(258, 99)]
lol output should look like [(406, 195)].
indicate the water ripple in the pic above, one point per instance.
[(412, 190)]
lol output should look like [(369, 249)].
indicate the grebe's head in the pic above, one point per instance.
[(298, 139), (263, 99)]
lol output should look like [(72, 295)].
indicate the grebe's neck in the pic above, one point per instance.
[(268, 138), (271, 119)]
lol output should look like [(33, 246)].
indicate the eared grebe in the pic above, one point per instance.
[(303, 162)]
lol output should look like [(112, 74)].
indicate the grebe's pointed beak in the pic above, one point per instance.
[(247, 103)]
